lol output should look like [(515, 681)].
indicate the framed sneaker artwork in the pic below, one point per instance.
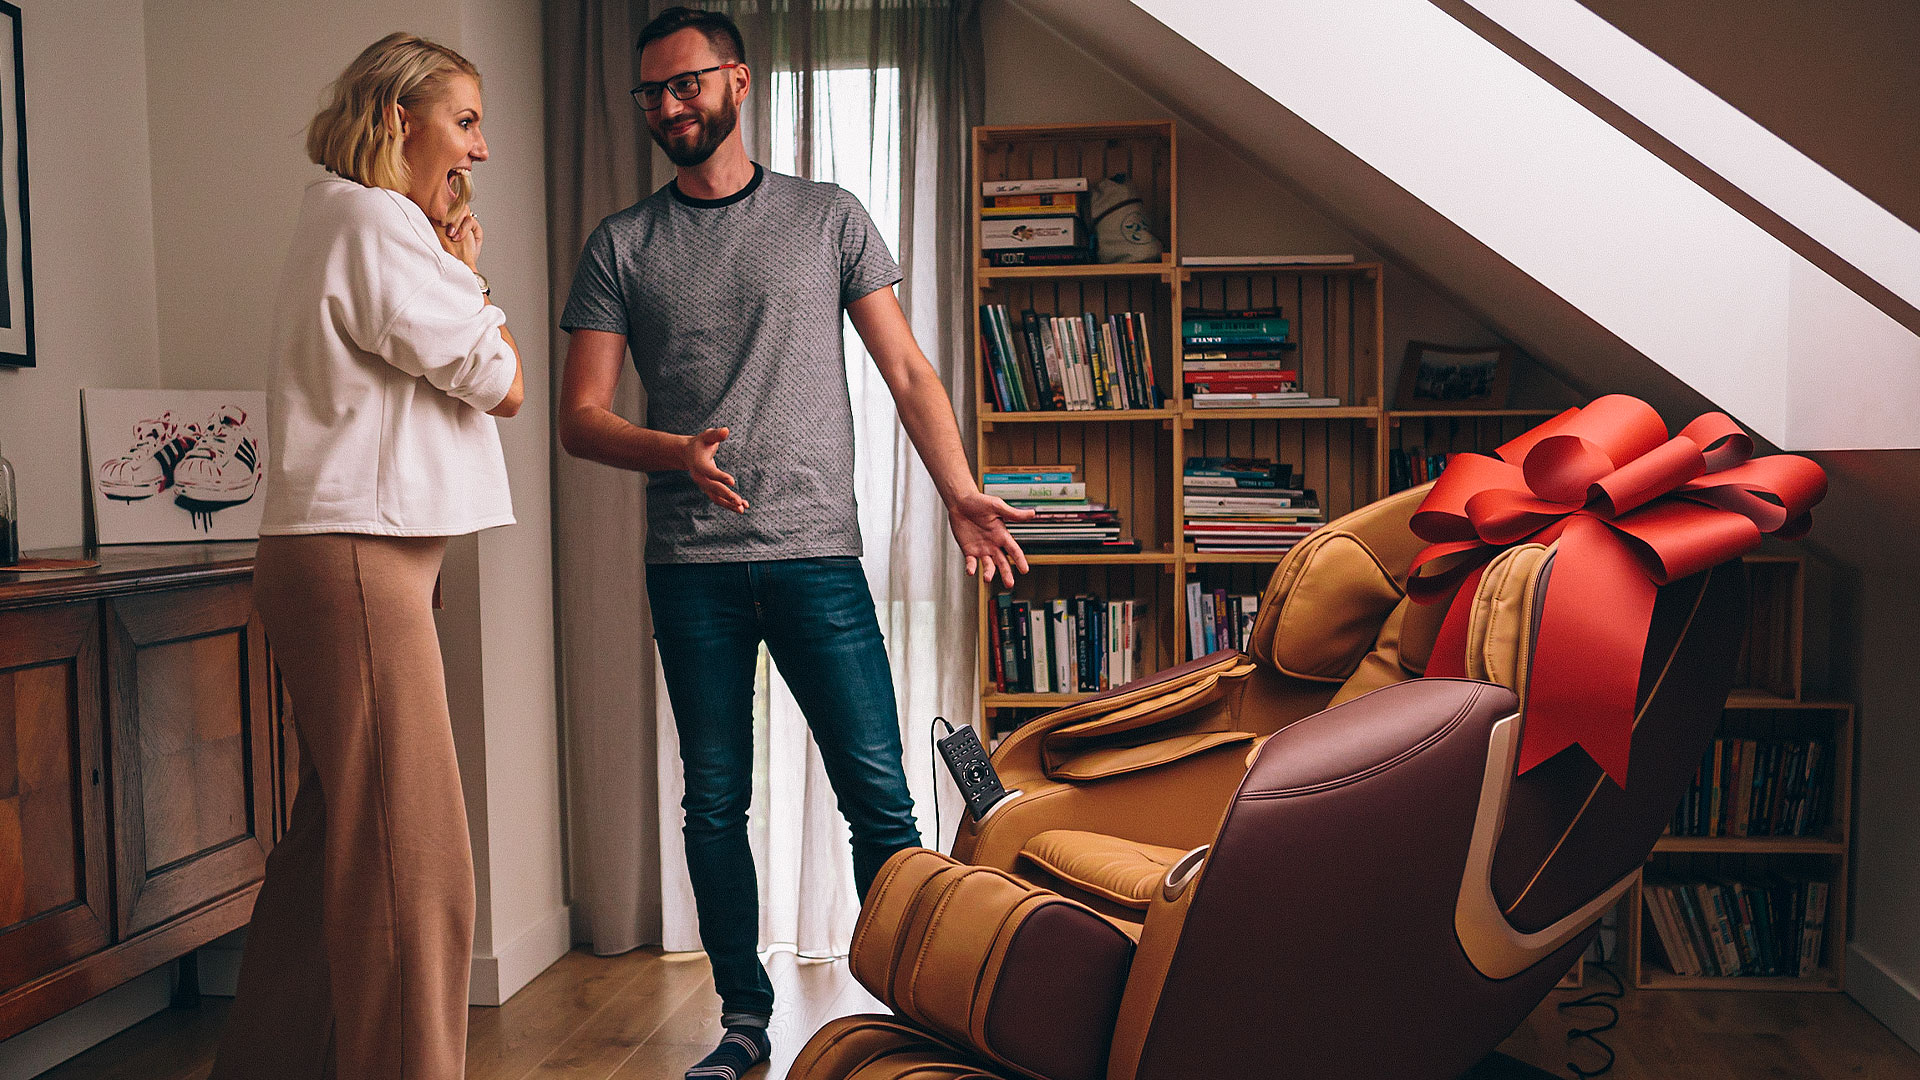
[(169, 465)]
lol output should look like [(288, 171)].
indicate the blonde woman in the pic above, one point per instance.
[(389, 365)]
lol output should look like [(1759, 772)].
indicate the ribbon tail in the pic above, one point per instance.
[(1586, 666)]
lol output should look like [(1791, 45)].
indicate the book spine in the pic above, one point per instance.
[(1089, 680), (1231, 328), (1274, 366), (1235, 339), (1034, 363), (1036, 477), (1207, 622), (1016, 364), (1002, 400), (1075, 492), (1023, 648), (1051, 198), (1089, 338), (1008, 669), (1038, 186), (1195, 640), (1039, 256), (1047, 359), (1042, 664), (1062, 654)]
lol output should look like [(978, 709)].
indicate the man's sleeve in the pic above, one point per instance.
[(596, 301), (865, 262)]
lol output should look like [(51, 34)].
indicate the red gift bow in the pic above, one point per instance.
[(1632, 510)]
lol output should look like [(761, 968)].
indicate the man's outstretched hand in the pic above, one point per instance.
[(698, 454), (980, 526)]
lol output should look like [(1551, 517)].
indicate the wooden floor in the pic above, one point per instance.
[(647, 1016)]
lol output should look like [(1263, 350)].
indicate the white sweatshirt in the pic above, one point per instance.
[(385, 360)]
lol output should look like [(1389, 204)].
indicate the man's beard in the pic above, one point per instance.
[(714, 128)]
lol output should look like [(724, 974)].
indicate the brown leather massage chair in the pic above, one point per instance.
[(1308, 861)]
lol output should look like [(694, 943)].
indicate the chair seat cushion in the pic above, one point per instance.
[(1123, 871)]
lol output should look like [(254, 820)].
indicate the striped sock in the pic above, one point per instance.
[(743, 1047)]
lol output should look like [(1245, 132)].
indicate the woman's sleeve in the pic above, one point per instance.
[(449, 336), (420, 310)]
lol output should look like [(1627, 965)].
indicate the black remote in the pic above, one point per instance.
[(972, 772)]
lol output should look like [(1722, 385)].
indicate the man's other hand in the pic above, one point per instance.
[(980, 525), (717, 484)]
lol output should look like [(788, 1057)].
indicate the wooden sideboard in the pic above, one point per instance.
[(144, 769)]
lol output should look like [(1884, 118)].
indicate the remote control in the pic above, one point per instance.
[(972, 772)]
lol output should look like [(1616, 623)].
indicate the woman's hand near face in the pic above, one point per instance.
[(462, 239)]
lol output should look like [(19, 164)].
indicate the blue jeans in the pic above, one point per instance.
[(816, 617)]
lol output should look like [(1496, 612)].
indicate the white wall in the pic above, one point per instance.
[(531, 924), (91, 220)]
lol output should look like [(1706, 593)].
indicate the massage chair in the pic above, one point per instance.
[(1307, 860)]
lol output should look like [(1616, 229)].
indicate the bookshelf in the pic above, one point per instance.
[(1766, 706), (1132, 460)]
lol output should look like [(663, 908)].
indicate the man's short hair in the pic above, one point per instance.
[(720, 31)]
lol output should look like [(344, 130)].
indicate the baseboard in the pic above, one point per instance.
[(500, 976), (85, 1026), (1891, 999)]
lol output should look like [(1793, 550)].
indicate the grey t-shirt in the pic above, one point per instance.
[(731, 308)]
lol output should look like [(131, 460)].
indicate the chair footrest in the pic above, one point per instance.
[(1028, 979)]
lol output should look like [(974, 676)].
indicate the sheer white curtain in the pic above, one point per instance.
[(878, 96)]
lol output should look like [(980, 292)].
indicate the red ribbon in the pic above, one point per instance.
[(1632, 509)]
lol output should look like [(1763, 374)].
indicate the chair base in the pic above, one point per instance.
[(1498, 1066)]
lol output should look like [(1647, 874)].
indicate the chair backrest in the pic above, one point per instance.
[(1384, 896), (1335, 613)]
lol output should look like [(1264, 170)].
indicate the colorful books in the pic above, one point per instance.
[(1075, 362), (1755, 926), (1059, 645)]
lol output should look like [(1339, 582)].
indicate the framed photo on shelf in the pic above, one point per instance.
[(1454, 376), (16, 257)]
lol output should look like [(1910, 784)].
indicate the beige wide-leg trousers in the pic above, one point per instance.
[(357, 959)]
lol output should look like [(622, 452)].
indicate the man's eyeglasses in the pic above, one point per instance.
[(684, 87)]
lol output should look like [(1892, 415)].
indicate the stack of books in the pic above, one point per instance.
[(1755, 926), (1065, 645), (1072, 362), (1241, 358), (1035, 222), (1218, 621), (1246, 505), (1064, 522)]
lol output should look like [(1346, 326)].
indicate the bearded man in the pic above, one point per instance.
[(728, 285)]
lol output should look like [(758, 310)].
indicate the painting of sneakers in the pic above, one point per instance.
[(203, 451), (146, 469)]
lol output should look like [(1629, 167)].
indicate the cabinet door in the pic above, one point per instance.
[(53, 834), (192, 749)]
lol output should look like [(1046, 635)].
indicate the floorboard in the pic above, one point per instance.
[(646, 1015)]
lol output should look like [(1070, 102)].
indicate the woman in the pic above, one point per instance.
[(389, 365)]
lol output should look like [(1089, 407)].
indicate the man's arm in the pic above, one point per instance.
[(590, 429), (978, 521)]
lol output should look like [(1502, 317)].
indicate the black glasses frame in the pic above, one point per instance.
[(673, 85)]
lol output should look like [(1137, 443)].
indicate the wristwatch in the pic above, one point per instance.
[(485, 289)]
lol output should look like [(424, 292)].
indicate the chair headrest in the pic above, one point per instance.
[(1328, 599)]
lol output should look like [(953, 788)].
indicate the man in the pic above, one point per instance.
[(728, 285)]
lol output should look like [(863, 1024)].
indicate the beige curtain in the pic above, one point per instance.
[(880, 97)]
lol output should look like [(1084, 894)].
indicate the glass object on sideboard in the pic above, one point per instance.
[(9, 515)]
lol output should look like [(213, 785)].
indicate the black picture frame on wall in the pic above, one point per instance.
[(16, 253)]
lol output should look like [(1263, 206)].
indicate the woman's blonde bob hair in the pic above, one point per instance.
[(357, 134)]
